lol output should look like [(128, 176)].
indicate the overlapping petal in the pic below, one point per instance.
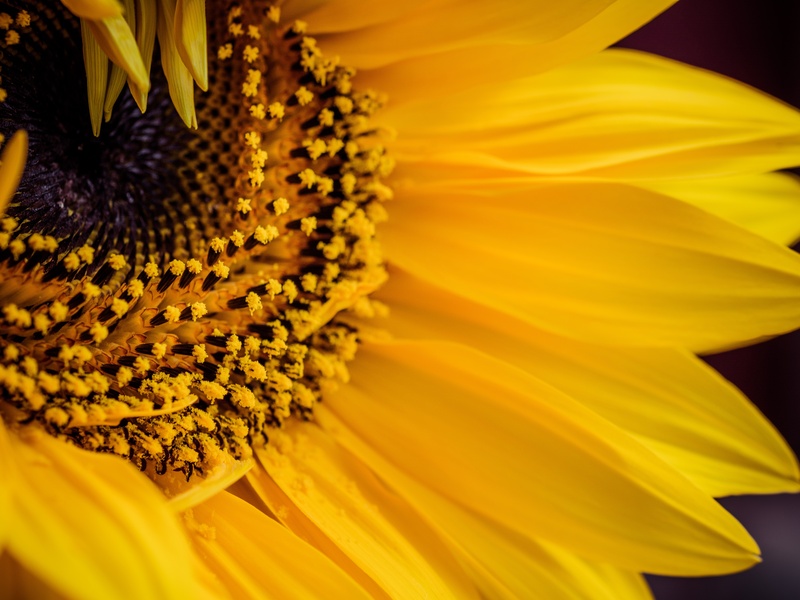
[(766, 203), (255, 557), (514, 450), (439, 74), (90, 526), (670, 400), (617, 115), (367, 38), (355, 511), (602, 262), (502, 564)]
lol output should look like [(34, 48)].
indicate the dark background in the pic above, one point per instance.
[(757, 42)]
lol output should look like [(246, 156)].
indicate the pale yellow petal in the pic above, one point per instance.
[(768, 203), (255, 557), (617, 115), (146, 24), (502, 564), (365, 520), (116, 39), (418, 28), (116, 80), (94, 9), (501, 443), (672, 402), (12, 164), (278, 505), (190, 38), (96, 65), (91, 526), (444, 73), (604, 262), (179, 79)]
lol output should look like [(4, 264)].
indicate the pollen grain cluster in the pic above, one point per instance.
[(178, 333)]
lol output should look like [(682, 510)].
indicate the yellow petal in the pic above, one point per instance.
[(223, 476), (517, 452), (423, 28), (445, 73), (255, 557), (604, 262), (672, 402), (502, 563), (617, 115), (116, 80), (190, 38), (364, 519), (96, 65), (146, 24), (6, 484), (12, 163), (94, 9), (116, 39), (768, 203), (179, 79), (346, 15), (91, 526), (20, 584)]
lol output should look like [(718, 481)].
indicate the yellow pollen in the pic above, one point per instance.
[(308, 178), (199, 310), (151, 270), (235, 29), (142, 365), (243, 206), (58, 311), (253, 32), (276, 110), (86, 254), (274, 14), (117, 262), (159, 350), (237, 238), (315, 149), (172, 314), (217, 245), (253, 302), (250, 54), (304, 96), (280, 206), (225, 51), (258, 111), (326, 117), (99, 332), (72, 262), (119, 307), (199, 353), (220, 269), (177, 267), (91, 291), (252, 139), (290, 290), (264, 235), (194, 266), (308, 225)]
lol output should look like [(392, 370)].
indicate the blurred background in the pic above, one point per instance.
[(757, 42)]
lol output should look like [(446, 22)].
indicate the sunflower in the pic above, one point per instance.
[(356, 299)]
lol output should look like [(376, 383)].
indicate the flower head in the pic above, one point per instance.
[(422, 329)]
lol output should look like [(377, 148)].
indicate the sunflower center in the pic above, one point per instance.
[(169, 295)]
